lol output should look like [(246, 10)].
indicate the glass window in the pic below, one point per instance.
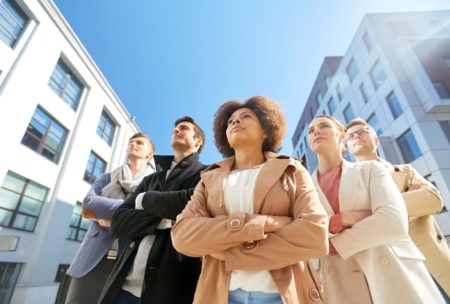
[(12, 21), (318, 99), (78, 224), (373, 121), (66, 84), (352, 70), (364, 94), (367, 42), (338, 92), (408, 146), (441, 89), (9, 273), (400, 28), (61, 272), (331, 106), (326, 82), (394, 105), (377, 75), (106, 128), (445, 126), (45, 135), (95, 167), (21, 202), (348, 113)]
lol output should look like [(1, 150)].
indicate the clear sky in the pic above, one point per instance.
[(167, 59)]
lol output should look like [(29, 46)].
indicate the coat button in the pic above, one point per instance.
[(132, 244), (330, 270), (396, 169), (314, 294), (235, 223), (250, 245), (384, 261)]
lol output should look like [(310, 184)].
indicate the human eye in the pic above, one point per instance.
[(310, 130), (230, 120)]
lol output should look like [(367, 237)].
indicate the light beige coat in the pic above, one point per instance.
[(283, 187), (424, 231), (377, 251)]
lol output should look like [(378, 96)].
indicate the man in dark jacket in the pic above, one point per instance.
[(151, 270)]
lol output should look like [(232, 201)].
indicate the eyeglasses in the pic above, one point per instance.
[(360, 132)]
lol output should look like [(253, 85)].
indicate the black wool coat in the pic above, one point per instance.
[(170, 277)]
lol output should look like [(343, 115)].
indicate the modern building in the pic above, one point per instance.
[(61, 125), (396, 75)]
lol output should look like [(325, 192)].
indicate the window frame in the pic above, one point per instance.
[(79, 226), (404, 138), (90, 179), (394, 105), (17, 11), (101, 131)]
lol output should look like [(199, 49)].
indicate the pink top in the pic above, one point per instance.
[(329, 182)]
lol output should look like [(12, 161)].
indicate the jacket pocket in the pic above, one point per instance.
[(406, 250)]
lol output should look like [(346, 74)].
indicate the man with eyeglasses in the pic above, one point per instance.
[(421, 197)]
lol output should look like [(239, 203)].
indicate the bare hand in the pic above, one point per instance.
[(273, 222), (414, 187), (349, 218), (198, 210), (104, 223), (412, 218)]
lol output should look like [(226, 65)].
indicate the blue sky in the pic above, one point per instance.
[(167, 59)]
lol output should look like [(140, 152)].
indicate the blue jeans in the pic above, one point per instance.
[(124, 297), (240, 296)]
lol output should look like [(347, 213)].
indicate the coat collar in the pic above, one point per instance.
[(214, 177)]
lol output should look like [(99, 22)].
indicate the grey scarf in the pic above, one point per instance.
[(123, 182)]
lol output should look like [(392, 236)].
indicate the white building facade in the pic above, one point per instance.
[(61, 125), (396, 75)]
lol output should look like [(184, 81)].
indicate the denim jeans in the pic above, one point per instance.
[(124, 297), (240, 296)]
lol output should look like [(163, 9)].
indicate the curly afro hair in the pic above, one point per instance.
[(269, 114)]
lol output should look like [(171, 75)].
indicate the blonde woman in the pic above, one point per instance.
[(371, 259)]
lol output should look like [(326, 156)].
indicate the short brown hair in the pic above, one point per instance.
[(359, 121), (197, 130), (142, 134), (269, 114)]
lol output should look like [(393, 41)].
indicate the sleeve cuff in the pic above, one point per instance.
[(138, 201)]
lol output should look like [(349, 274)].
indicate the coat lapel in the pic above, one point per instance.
[(348, 186), (270, 173)]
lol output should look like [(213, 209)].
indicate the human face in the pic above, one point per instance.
[(139, 148), (184, 138), (244, 128), (323, 135), (361, 141)]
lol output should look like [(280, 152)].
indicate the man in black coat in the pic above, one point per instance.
[(151, 270)]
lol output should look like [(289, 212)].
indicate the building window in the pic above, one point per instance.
[(21, 202), (364, 94), (441, 89), (400, 28), (78, 224), (106, 128), (348, 113), (331, 106), (408, 146), (367, 42), (66, 84), (394, 105), (311, 112), (377, 75), (95, 167), (45, 135), (318, 99), (373, 121), (9, 273), (352, 70), (326, 82), (338, 92), (12, 21), (445, 126), (61, 272)]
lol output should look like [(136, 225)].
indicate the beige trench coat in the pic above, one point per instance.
[(283, 187)]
